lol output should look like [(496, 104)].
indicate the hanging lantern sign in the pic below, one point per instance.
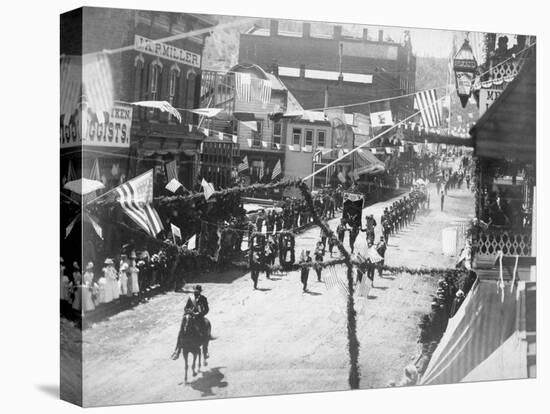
[(464, 66)]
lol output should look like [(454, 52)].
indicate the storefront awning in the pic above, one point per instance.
[(367, 163), (507, 130)]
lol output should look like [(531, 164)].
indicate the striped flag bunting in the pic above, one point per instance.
[(208, 189), (70, 86), (249, 142), (234, 138), (335, 283), (135, 197), (163, 106), (430, 111), (172, 170), (95, 174), (264, 91), (242, 86), (277, 170), (220, 136), (243, 166), (98, 84), (173, 185)]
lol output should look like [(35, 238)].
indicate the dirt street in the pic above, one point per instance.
[(276, 339)]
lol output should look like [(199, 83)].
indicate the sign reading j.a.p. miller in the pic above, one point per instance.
[(166, 51)]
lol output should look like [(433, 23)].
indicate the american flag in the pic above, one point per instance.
[(277, 170), (172, 170), (430, 112), (70, 86), (135, 197), (243, 166), (242, 85), (264, 90), (261, 173), (95, 174), (98, 84), (162, 106), (176, 232)]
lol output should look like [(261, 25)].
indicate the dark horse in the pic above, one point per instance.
[(190, 340)]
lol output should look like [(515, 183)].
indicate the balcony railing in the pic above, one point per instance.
[(510, 242)]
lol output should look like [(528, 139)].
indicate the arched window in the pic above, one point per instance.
[(155, 70), (173, 84), (190, 92)]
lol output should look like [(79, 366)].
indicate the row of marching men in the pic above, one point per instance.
[(84, 291)]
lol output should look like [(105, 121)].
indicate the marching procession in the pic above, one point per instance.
[(280, 225)]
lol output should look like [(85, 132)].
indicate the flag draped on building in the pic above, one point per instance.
[(430, 111), (242, 86), (264, 91), (171, 170), (277, 170), (243, 166), (135, 198), (70, 86), (98, 84)]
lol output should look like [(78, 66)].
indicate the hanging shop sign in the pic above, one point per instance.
[(84, 129), (166, 51), (486, 98)]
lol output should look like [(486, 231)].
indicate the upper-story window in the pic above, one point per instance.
[(309, 138), (277, 133), (296, 136), (173, 83), (321, 139), (155, 79), (257, 135)]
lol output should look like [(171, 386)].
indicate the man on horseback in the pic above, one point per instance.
[(197, 307)]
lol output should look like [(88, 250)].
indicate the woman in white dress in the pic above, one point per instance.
[(87, 286), (134, 271), (111, 282), (123, 278)]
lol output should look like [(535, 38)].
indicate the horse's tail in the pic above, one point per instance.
[(208, 330)]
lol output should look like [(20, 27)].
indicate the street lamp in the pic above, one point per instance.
[(464, 66)]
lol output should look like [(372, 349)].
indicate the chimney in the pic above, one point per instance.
[(326, 96), (273, 27), (337, 32), (306, 30), (365, 34), (380, 35), (302, 71)]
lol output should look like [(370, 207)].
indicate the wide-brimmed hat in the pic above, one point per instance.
[(108, 261), (197, 288), (89, 266)]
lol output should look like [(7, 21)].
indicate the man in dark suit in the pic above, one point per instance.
[(381, 249)]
